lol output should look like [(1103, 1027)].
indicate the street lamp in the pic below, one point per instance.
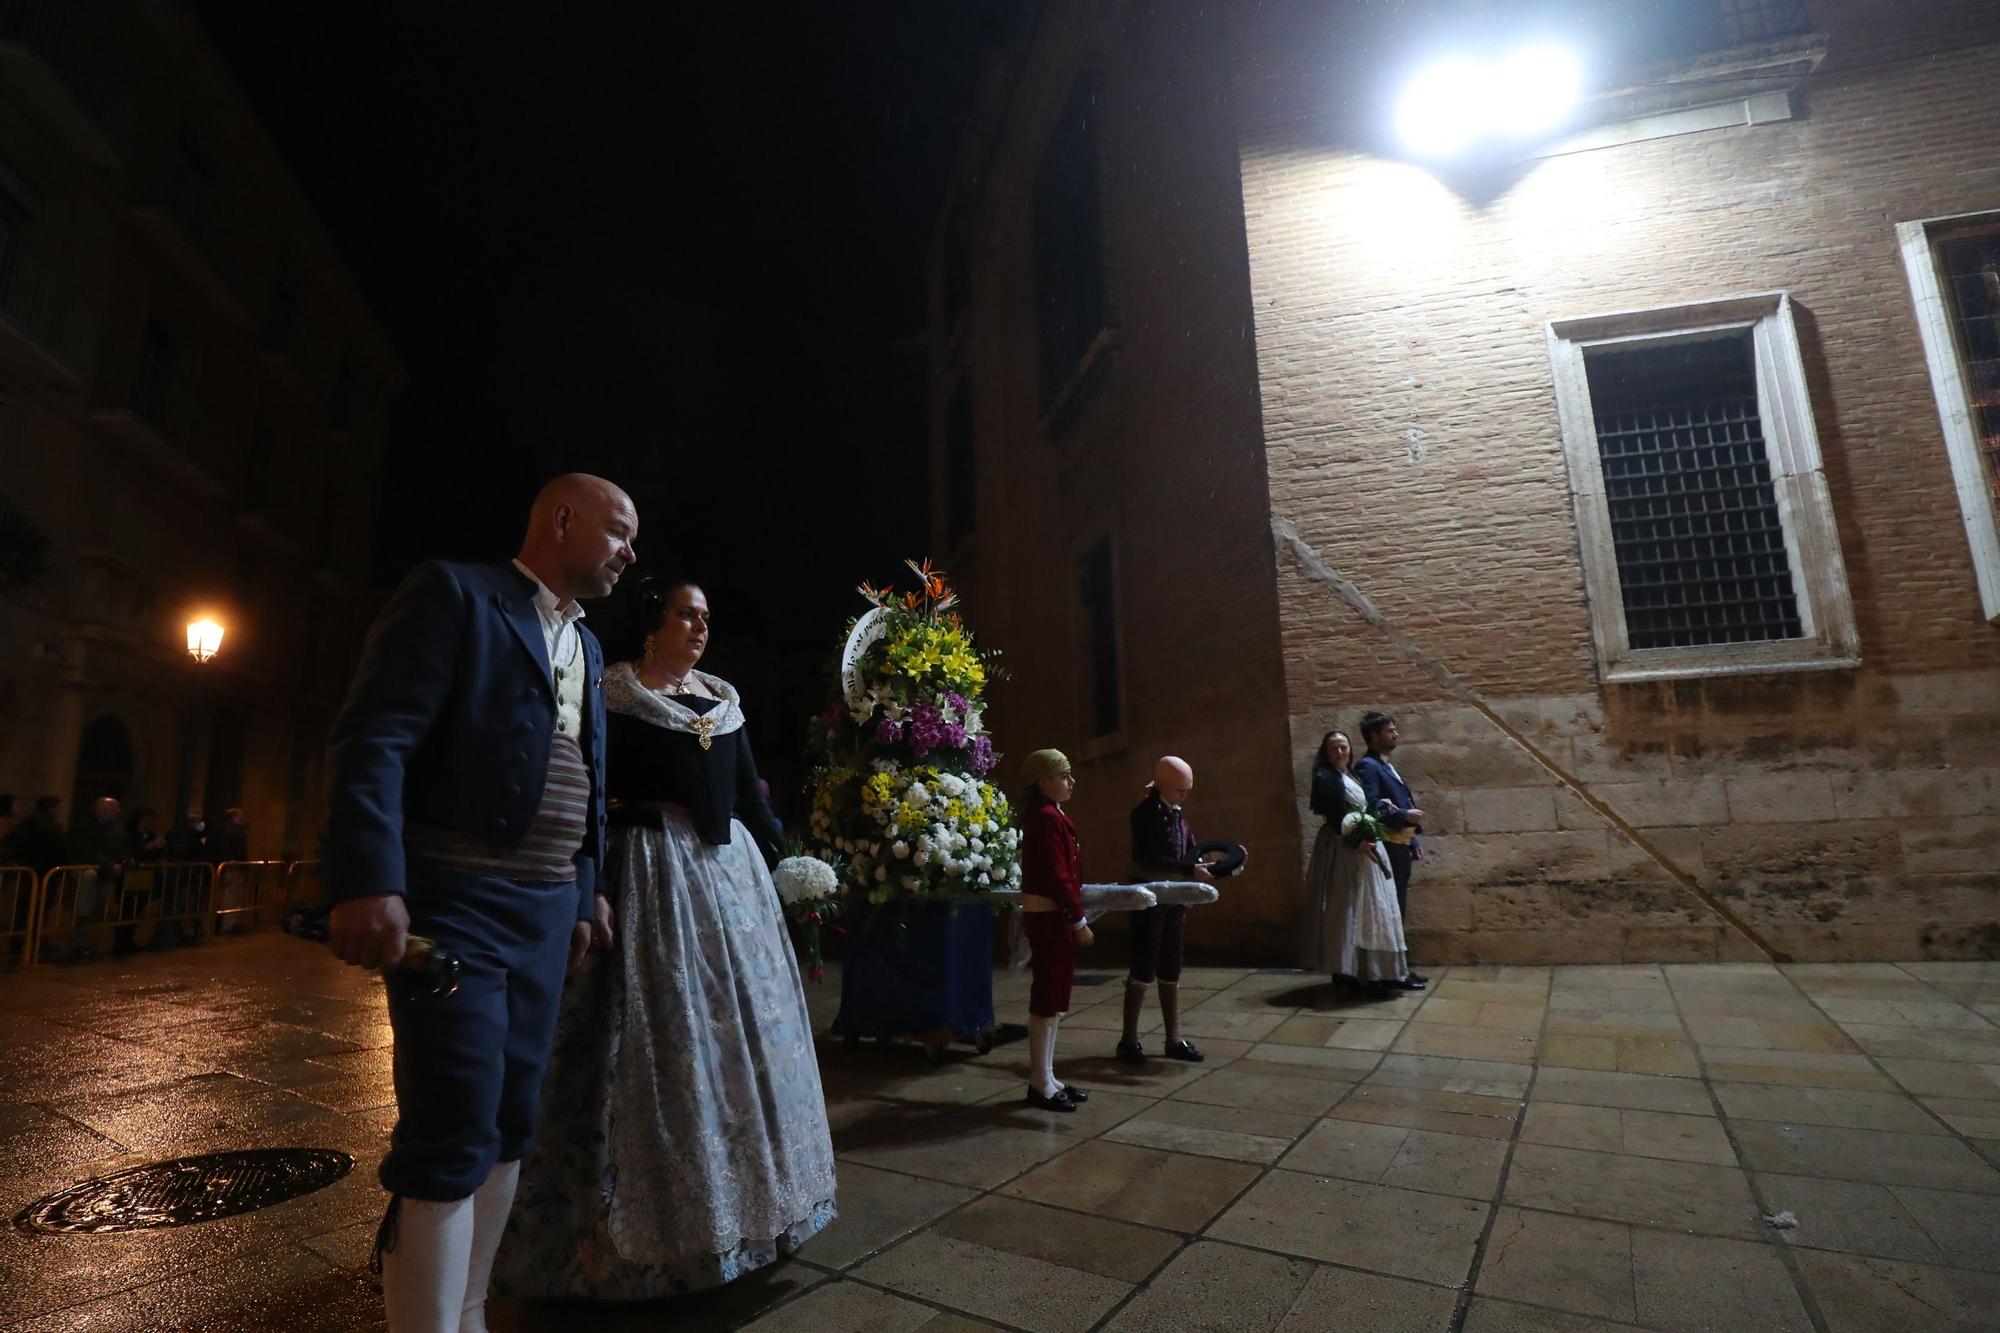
[(204, 640)]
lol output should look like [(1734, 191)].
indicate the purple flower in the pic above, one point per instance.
[(927, 731), (888, 732), (954, 735), (982, 754), (955, 702)]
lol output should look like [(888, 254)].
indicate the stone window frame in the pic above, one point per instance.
[(1918, 241), (1805, 505)]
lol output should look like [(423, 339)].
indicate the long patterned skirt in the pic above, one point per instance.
[(1356, 901), (683, 1138)]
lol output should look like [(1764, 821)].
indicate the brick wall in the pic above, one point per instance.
[(1410, 431), (1166, 455)]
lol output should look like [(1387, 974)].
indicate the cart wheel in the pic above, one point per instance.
[(984, 1042)]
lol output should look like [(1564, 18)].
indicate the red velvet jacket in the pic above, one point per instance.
[(1051, 860)]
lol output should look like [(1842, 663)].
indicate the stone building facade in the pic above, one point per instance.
[(192, 410), (1367, 433)]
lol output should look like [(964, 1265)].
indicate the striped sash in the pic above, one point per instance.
[(547, 853)]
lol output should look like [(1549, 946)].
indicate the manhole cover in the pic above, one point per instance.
[(187, 1189)]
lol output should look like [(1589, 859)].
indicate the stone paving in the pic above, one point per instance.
[(1521, 1148)]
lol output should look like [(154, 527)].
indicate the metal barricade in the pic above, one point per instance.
[(177, 896), (308, 888), (250, 893), (82, 908), (20, 894)]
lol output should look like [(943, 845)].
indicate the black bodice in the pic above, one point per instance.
[(645, 763)]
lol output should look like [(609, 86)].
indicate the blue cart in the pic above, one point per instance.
[(922, 971)]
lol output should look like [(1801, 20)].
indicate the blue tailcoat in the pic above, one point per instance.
[(1380, 783), (448, 724)]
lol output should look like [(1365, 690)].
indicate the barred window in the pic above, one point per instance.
[(1703, 515), (1070, 306), (1104, 711), (1954, 270), (1694, 516), (1970, 268)]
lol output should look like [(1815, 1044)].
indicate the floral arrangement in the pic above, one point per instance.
[(1358, 827), (808, 887), (900, 789)]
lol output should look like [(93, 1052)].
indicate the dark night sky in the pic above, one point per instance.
[(682, 245)]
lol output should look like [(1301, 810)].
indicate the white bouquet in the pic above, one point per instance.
[(804, 879)]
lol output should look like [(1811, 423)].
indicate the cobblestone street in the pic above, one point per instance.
[(1606, 1142)]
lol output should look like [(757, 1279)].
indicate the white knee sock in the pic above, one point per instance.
[(490, 1207), (424, 1267), (1049, 1059), (1041, 1055)]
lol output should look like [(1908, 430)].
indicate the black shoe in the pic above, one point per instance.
[(1183, 1050), (1131, 1053), (1055, 1103), (1077, 1095), (1420, 980), (1410, 982)]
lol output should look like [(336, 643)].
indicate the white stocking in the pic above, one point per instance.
[(424, 1265), (490, 1207), (1041, 1055), (1049, 1060)]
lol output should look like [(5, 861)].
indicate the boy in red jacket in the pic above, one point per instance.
[(1052, 907)]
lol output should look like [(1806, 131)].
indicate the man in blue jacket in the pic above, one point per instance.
[(1389, 800), (467, 806)]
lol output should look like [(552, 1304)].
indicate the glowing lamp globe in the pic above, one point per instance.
[(204, 639)]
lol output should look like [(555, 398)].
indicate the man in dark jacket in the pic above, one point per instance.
[(1162, 849), (1389, 800), (467, 799)]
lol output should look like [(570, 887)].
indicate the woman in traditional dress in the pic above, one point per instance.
[(1350, 893), (683, 1138)]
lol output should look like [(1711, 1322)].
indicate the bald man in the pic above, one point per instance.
[(467, 806), (1162, 848)]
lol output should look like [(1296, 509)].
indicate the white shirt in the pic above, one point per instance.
[(565, 652), (558, 621)]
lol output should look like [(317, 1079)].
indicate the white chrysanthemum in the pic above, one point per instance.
[(978, 844), (1351, 823), (900, 849), (801, 878)]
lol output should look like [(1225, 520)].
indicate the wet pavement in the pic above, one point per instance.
[(1571, 1148)]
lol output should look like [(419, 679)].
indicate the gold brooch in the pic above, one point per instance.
[(704, 728)]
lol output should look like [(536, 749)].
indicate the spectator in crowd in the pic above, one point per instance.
[(37, 841), (102, 843), (142, 832), (190, 839), (230, 839)]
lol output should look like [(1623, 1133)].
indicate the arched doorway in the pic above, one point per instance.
[(103, 765)]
